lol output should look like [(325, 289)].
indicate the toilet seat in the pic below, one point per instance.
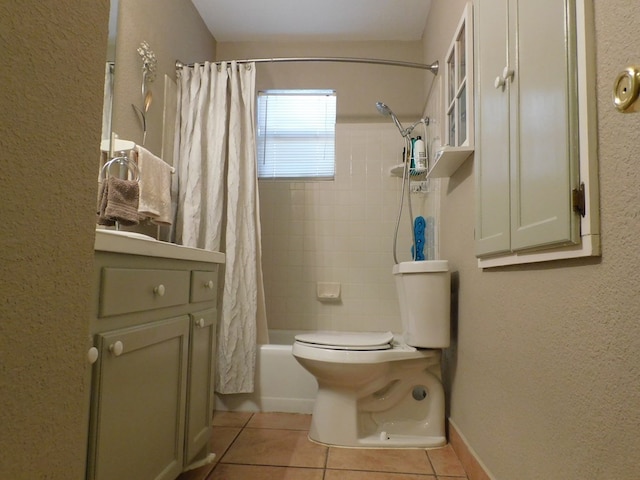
[(352, 341)]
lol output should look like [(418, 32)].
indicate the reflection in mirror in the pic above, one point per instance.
[(149, 66), (109, 73)]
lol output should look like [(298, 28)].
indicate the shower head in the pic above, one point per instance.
[(383, 109), (387, 112)]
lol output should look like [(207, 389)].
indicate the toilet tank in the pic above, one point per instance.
[(424, 294)]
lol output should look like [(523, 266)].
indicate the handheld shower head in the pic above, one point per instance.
[(387, 112), (383, 109)]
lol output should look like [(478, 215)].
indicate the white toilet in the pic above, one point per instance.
[(380, 389)]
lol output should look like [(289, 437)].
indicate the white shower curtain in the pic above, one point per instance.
[(217, 204)]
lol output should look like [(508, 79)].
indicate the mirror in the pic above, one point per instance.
[(173, 30), (109, 74)]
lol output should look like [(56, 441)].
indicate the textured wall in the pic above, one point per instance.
[(51, 96), (545, 372)]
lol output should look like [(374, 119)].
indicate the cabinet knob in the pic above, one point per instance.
[(208, 284), (159, 290), (92, 355), (507, 74), (116, 348), (200, 322), (501, 80)]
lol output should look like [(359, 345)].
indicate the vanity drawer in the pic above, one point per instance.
[(125, 290), (204, 285)]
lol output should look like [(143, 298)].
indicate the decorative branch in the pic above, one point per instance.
[(149, 66)]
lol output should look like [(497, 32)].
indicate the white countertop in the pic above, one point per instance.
[(139, 244)]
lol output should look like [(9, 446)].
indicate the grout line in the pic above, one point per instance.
[(231, 443), (433, 468)]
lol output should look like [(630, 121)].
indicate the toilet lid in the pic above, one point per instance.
[(347, 340)]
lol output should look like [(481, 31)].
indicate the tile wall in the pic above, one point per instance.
[(340, 231)]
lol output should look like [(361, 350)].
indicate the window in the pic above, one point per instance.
[(296, 134)]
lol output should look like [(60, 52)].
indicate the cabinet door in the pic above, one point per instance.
[(139, 402), (492, 129), (202, 352), (544, 156)]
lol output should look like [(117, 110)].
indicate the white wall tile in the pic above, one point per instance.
[(339, 231)]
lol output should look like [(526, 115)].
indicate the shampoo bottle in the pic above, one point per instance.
[(420, 154)]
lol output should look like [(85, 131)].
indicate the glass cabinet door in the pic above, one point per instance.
[(457, 80)]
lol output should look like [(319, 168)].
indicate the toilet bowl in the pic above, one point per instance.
[(376, 389)]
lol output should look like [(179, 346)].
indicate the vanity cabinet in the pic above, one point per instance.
[(152, 384), (200, 396), (527, 141), (139, 395)]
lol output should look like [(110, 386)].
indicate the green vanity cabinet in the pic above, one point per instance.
[(140, 390), (152, 383), (200, 396)]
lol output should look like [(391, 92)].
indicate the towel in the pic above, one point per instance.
[(155, 187), (121, 201), (102, 205)]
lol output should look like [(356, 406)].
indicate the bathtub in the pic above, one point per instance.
[(281, 384)]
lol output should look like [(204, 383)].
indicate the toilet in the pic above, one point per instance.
[(380, 389)]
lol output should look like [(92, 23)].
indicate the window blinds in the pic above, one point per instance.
[(296, 134)]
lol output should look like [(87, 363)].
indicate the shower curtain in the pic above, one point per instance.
[(217, 204)]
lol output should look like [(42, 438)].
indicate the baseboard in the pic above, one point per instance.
[(467, 456), (250, 402)]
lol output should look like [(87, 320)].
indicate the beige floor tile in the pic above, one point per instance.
[(287, 448), (362, 475), (445, 462), (378, 460), (221, 439), (285, 421), (223, 418), (250, 472)]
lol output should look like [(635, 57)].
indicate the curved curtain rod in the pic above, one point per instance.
[(433, 68)]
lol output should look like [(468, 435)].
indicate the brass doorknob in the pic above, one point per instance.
[(626, 90)]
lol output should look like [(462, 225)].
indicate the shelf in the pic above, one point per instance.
[(398, 171), (447, 160)]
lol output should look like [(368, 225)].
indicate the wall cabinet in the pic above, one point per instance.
[(152, 384), (459, 84), (528, 124), (458, 132)]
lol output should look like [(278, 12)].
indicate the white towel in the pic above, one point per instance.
[(155, 187)]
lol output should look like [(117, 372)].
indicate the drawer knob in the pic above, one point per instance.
[(92, 355), (116, 348), (200, 322), (159, 290), (208, 284)]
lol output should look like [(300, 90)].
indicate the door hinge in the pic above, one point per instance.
[(579, 200)]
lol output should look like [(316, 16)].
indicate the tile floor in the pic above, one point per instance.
[(274, 446)]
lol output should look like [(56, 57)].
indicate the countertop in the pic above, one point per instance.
[(139, 244)]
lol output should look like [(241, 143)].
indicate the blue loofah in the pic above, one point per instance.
[(419, 225)]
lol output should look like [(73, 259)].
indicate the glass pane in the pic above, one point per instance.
[(451, 139), (451, 72), (462, 116), (462, 56)]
